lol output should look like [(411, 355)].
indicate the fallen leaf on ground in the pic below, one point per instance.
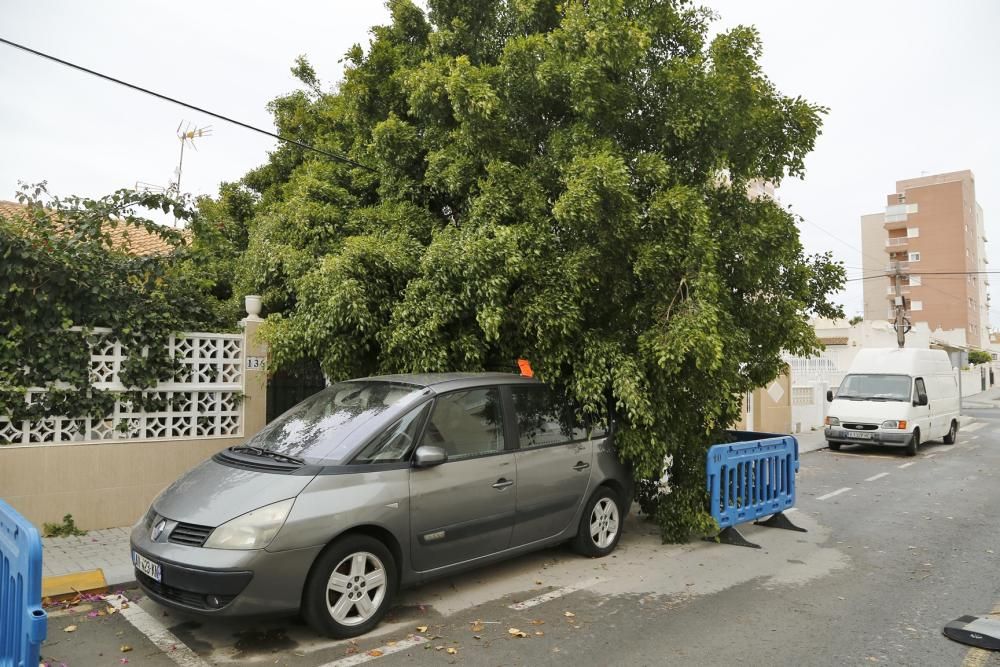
[(453, 651), (568, 614), (538, 621), (390, 643), (421, 628), (539, 633), (517, 633), (477, 626), (438, 648), (477, 636), (125, 648), (69, 628), (299, 652), (375, 653), (538, 582)]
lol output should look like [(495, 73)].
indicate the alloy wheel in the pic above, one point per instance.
[(604, 523), (356, 588)]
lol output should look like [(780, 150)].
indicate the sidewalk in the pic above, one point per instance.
[(101, 558)]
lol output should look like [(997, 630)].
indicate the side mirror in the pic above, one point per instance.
[(428, 456), (829, 395)]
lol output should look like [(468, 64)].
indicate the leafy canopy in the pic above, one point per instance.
[(562, 181), (66, 268)]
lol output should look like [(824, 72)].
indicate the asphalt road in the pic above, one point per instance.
[(896, 548)]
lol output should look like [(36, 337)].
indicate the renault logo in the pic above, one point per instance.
[(158, 530)]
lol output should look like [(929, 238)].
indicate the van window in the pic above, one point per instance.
[(875, 387), (394, 444), (919, 384), (543, 420), (466, 424), (318, 428)]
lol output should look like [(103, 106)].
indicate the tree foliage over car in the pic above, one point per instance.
[(561, 181)]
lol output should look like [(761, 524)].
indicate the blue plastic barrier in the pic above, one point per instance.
[(751, 478), (23, 622)]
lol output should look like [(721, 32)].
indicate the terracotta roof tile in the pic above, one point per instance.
[(128, 238), (835, 340)]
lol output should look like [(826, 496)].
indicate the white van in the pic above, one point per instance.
[(895, 397)]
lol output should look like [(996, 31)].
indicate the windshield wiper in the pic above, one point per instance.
[(284, 457), (258, 451)]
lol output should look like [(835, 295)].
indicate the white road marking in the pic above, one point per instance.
[(973, 427), (552, 595), (975, 437), (906, 465), (878, 476), (388, 649), (973, 447), (834, 493), (156, 632), (930, 456)]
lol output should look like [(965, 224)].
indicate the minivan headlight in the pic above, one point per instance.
[(832, 421), (253, 530), (894, 423)]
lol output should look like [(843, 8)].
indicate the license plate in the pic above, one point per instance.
[(860, 435), (146, 566)]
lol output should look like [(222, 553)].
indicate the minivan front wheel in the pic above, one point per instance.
[(600, 524), (350, 588)]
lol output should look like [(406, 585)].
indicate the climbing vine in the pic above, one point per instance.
[(68, 266)]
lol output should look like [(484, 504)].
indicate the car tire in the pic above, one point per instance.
[(352, 569), (952, 435), (600, 524), (834, 446), (911, 447)]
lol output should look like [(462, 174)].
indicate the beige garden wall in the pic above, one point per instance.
[(111, 484)]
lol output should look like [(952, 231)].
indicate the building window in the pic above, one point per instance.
[(914, 281), (914, 256), (912, 232), (916, 305)]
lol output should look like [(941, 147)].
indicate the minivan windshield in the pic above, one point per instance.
[(875, 387), (317, 429)]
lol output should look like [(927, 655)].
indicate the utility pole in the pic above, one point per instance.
[(900, 324)]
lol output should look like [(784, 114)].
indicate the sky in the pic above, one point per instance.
[(912, 89)]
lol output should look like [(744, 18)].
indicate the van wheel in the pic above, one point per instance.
[(952, 435), (600, 525), (834, 446), (911, 447), (350, 588)]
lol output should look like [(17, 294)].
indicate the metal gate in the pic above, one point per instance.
[(288, 387)]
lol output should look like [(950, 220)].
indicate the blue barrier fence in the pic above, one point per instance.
[(23, 623), (752, 477)]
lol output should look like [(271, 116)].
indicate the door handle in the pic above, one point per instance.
[(580, 466), (502, 484)]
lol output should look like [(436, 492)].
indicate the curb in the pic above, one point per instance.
[(85, 581)]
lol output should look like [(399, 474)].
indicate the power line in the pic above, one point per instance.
[(332, 156)]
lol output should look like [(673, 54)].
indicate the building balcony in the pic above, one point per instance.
[(891, 290), (894, 224), (897, 242)]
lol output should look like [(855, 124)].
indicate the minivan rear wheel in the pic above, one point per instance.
[(350, 588), (600, 524)]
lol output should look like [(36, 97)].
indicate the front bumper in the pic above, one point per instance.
[(878, 437), (223, 582)]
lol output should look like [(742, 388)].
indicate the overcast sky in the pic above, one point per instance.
[(912, 88)]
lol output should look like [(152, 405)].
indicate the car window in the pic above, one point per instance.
[(921, 389), (544, 420), (319, 428), (394, 444), (466, 423)]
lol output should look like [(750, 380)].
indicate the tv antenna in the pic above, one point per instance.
[(187, 136)]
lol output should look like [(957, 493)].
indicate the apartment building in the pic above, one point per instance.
[(933, 227)]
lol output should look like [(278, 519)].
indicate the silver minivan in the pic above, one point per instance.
[(375, 484)]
